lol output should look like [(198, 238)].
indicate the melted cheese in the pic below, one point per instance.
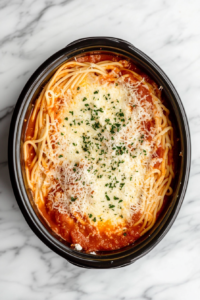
[(101, 152)]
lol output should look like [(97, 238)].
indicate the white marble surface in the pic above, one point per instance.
[(169, 32)]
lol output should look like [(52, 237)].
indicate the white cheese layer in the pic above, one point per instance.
[(101, 152)]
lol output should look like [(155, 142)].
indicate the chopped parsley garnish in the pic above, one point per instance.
[(78, 88), (111, 206), (121, 185), (107, 197), (94, 220), (124, 233), (96, 92), (90, 215), (112, 129), (73, 199), (84, 99), (96, 125), (71, 112), (66, 118), (62, 133), (60, 156)]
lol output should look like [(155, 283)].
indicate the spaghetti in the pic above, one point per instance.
[(98, 152)]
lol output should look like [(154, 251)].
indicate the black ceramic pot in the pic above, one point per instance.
[(142, 246)]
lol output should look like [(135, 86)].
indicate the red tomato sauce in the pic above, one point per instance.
[(88, 236)]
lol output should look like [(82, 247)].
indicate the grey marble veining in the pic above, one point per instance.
[(167, 31)]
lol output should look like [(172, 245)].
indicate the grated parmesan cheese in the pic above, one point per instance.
[(78, 247)]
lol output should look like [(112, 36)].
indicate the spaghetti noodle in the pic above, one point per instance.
[(98, 152)]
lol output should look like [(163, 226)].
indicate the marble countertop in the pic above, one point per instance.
[(167, 31)]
